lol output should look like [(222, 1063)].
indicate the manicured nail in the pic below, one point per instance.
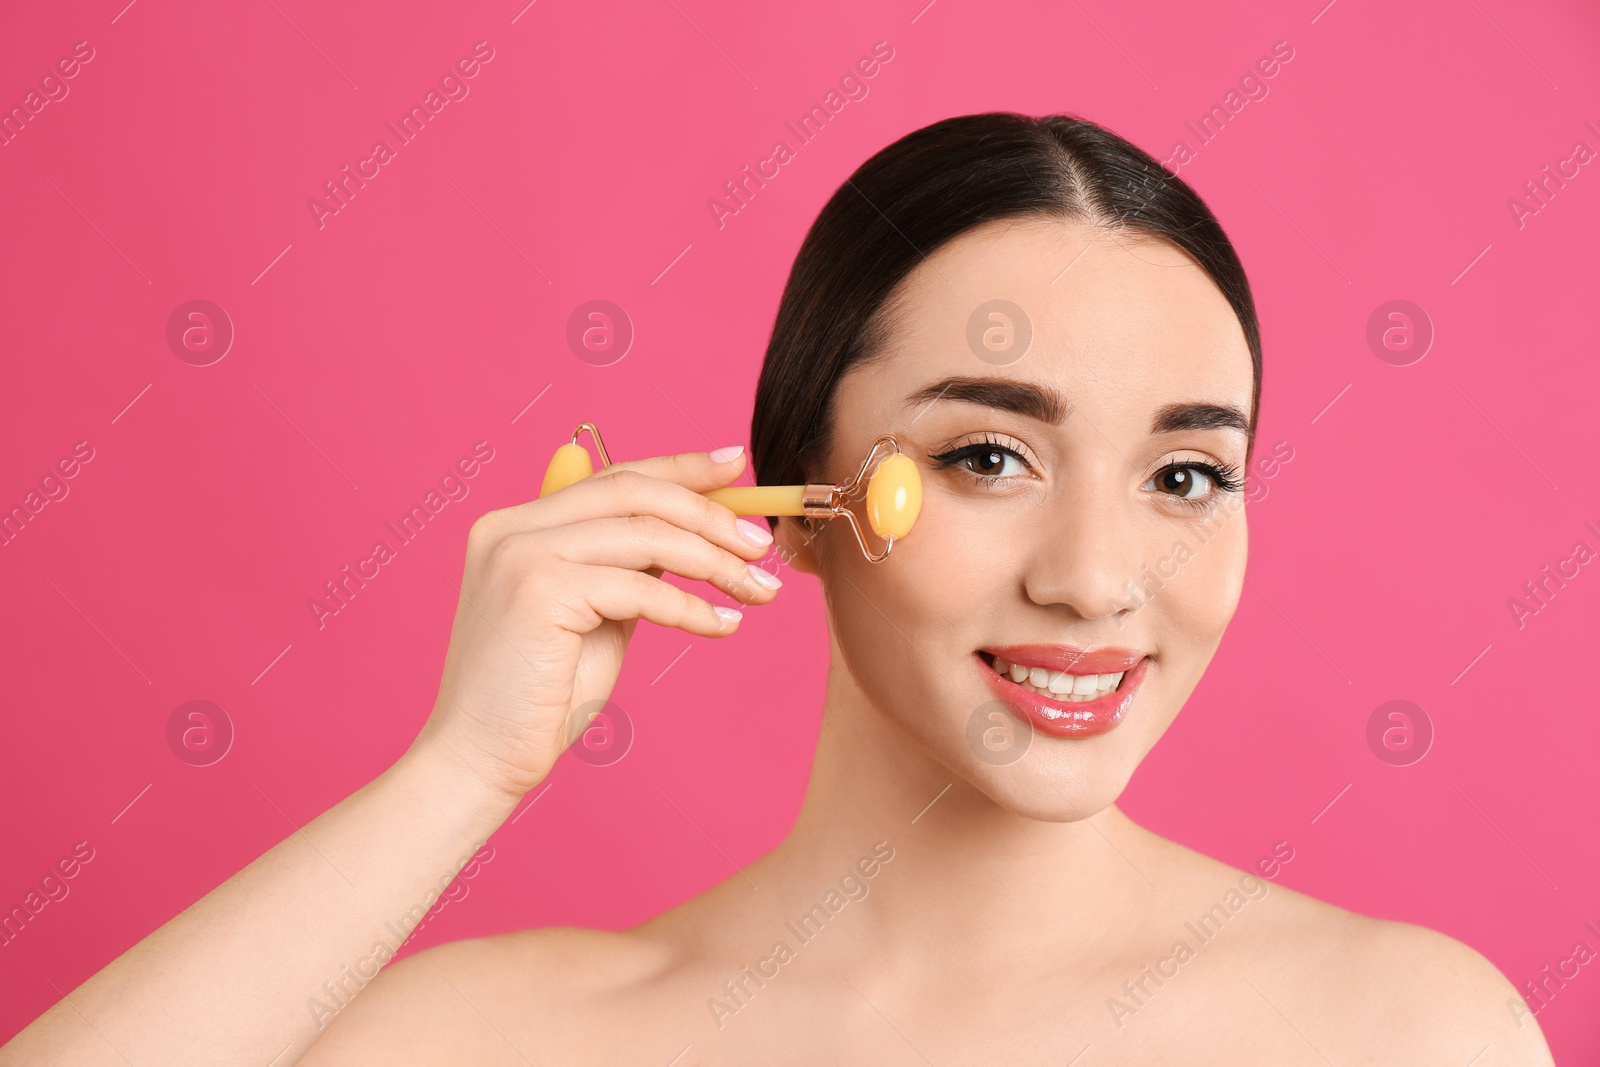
[(729, 616), (726, 455), (764, 577), (753, 532)]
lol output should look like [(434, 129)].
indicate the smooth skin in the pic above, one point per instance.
[(1007, 904)]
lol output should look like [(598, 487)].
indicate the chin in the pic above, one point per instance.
[(1047, 757), (1051, 786)]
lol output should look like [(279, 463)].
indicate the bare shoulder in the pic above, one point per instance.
[(1366, 990), (1303, 973), (1414, 993), (511, 998)]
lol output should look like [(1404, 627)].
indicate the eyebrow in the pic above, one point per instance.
[(1045, 404)]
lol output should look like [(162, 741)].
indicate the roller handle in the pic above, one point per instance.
[(894, 493), (571, 463)]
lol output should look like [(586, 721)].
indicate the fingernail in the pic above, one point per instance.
[(729, 616), (727, 454), (763, 576), (754, 532)]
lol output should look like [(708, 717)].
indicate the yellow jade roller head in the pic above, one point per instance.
[(893, 490)]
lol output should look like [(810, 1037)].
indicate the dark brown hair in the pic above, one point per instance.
[(923, 190)]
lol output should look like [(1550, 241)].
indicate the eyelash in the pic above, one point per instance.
[(1225, 478), (977, 448)]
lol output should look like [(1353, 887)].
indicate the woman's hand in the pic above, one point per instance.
[(550, 597), (552, 591)]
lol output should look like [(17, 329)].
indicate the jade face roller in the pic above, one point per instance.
[(893, 492)]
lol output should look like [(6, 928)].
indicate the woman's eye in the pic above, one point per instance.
[(1197, 484), (986, 461), (991, 462), (1187, 483)]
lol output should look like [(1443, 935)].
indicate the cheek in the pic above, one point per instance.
[(900, 624), (1206, 589), (932, 578)]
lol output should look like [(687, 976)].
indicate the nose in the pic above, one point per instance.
[(1088, 548)]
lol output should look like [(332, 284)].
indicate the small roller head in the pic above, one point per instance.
[(894, 496), (570, 464)]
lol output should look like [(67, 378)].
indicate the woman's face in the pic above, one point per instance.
[(1082, 521)]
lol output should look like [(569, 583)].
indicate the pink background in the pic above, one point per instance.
[(373, 352)]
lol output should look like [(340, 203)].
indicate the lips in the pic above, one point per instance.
[(1067, 658), (1060, 718)]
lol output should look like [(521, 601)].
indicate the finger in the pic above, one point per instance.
[(696, 471), (620, 594), (627, 627), (629, 491), (637, 542)]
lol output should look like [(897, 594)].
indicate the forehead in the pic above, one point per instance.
[(1126, 313)]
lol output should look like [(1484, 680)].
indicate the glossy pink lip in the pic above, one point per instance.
[(1067, 658), (1076, 718)]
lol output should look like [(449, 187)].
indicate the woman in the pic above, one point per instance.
[(1061, 336)]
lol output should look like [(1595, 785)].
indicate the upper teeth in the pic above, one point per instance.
[(1060, 684)]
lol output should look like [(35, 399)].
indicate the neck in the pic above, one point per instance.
[(968, 879)]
